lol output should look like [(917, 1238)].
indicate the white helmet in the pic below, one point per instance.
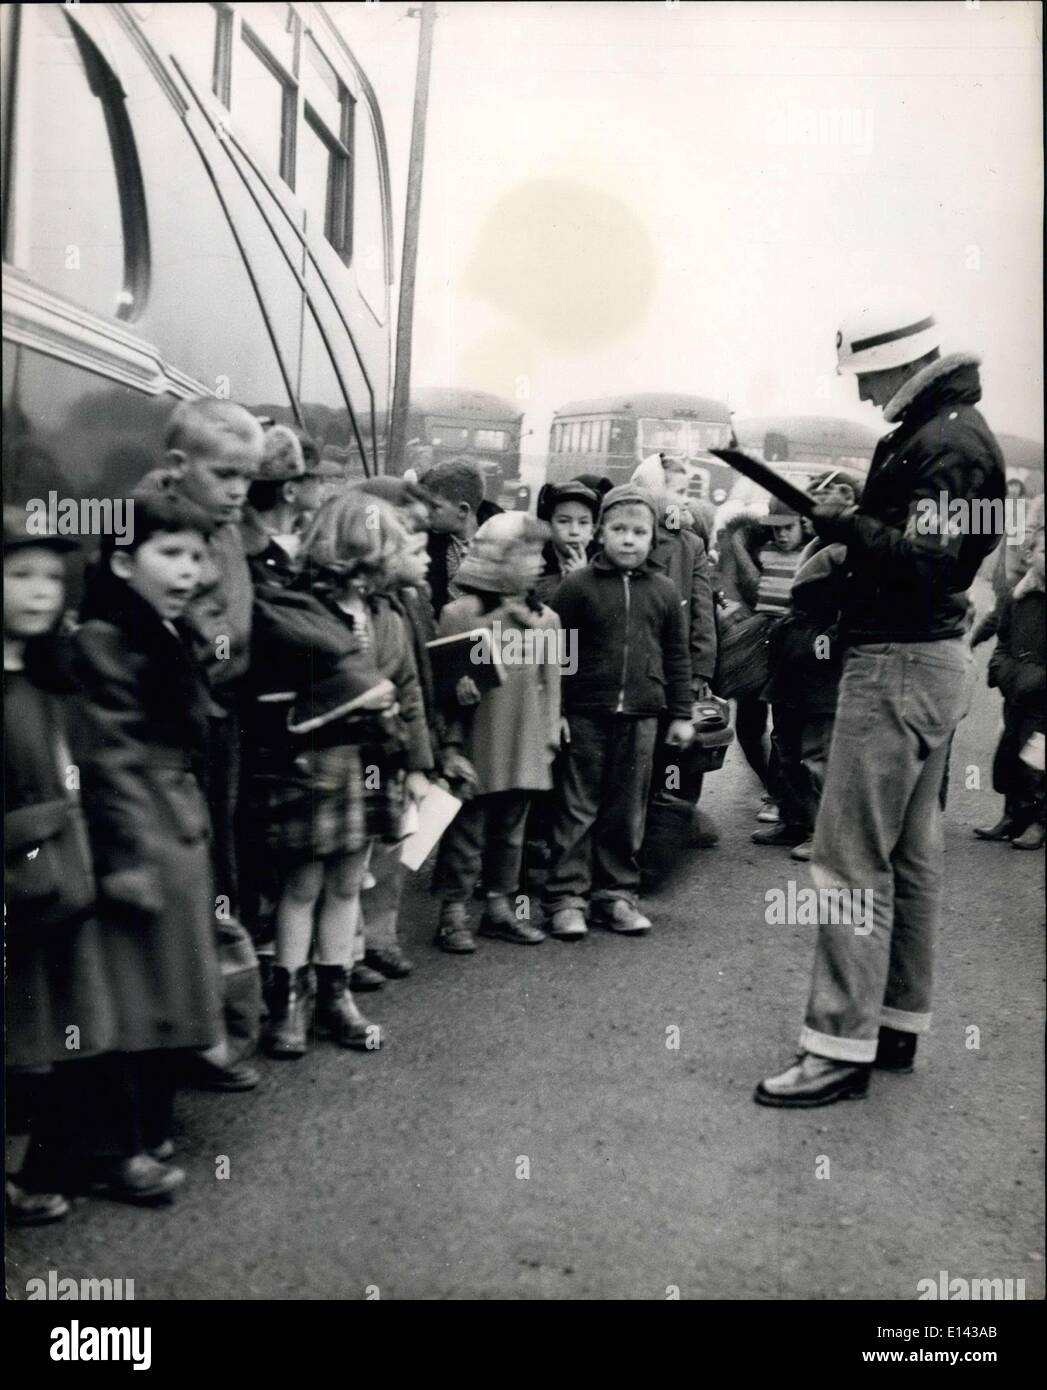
[(874, 339)]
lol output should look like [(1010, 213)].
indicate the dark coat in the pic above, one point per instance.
[(632, 642), (681, 555), (1017, 667), (805, 653), (905, 584), (56, 978), (145, 703)]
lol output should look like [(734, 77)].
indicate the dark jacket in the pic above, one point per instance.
[(552, 576), (1019, 663), (267, 560), (439, 544), (804, 650), (632, 642), (681, 555), (146, 706), (905, 585), (55, 977)]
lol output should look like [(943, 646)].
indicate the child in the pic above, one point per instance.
[(806, 663), (1017, 669), (571, 510), (337, 786), (146, 704), (55, 968), (215, 448), (456, 508), (511, 736), (633, 667), (381, 903)]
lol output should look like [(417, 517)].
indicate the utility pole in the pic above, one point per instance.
[(394, 458)]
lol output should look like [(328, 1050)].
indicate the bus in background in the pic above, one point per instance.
[(443, 424), (196, 201), (612, 435), (1024, 461), (824, 440)]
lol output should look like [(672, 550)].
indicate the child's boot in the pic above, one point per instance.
[(338, 1017), (287, 1031), (452, 931), (500, 921)]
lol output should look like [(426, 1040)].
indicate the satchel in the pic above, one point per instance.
[(47, 866), (742, 666)]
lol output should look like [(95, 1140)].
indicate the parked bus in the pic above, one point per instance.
[(819, 439), (195, 200), (612, 435), (1024, 460), (443, 424)]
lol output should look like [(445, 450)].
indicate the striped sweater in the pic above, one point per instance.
[(777, 569)]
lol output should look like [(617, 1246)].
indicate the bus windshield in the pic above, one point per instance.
[(685, 437)]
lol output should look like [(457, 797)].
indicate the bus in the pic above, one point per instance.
[(612, 435), (196, 201), (445, 424), (823, 440)]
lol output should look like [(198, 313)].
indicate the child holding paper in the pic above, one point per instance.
[(510, 735)]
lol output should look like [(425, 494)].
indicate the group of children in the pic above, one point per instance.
[(211, 769)]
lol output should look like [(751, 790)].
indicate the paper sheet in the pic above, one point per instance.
[(435, 814)]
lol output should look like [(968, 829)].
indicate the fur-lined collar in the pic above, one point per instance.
[(1028, 584), (931, 376)]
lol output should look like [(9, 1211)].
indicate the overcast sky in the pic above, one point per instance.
[(687, 197)]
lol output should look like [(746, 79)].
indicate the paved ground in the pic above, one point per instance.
[(648, 1167)]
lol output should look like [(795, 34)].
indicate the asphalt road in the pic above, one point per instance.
[(527, 1132)]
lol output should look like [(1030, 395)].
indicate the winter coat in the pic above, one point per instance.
[(267, 560), (804, 650), (1017, 665), (632, 642), (55, 978), (903, 583), (681, 555), (513, 734), (222, 607), (146, 707), (738, 570)]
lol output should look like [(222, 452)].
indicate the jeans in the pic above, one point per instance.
[(601, 808), (486, 836), (879, 832)]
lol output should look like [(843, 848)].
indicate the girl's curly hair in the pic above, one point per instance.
[(354, 535)]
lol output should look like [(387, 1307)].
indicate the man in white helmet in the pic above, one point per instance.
[(904, 690)]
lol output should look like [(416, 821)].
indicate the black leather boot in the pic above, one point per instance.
[(895, 1051), (338, 1017), (287, 1031)]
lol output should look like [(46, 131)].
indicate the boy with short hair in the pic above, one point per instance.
[(633, 666), (456, 508), (214, 448)]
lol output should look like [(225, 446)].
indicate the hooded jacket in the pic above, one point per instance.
[(905, 582), (632, 642)]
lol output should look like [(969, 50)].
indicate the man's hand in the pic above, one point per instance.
[(828, 512), (680, 733)]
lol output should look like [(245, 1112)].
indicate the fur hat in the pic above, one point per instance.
[(629, 492), (283, 460), (552, 494), (487, 565)]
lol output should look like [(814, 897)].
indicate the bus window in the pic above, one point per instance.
[(325, 151), (368, 232), (264, 105), (77, 220), (575, 433), (206, 32), (585, 436), (447, 436), (605, 435), (276, 25), (496, 441), (658, 435), (554, 442)]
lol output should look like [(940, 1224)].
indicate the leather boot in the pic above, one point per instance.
[(500, 921), (452, 931), (1005, 829), (287, 1032), (895, 1051), (337, 1016)]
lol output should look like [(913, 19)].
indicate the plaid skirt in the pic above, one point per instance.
[(328, 801)]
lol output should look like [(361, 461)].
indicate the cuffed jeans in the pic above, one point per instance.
[(879, 831), (487, 835), (601, 809)]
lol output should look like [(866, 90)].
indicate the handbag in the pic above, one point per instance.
[(48, 880), (742, 666)]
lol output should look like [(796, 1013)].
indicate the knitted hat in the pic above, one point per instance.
[(282, 461), (629, 492), (487, 565), (574, 491), (780, 513)]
